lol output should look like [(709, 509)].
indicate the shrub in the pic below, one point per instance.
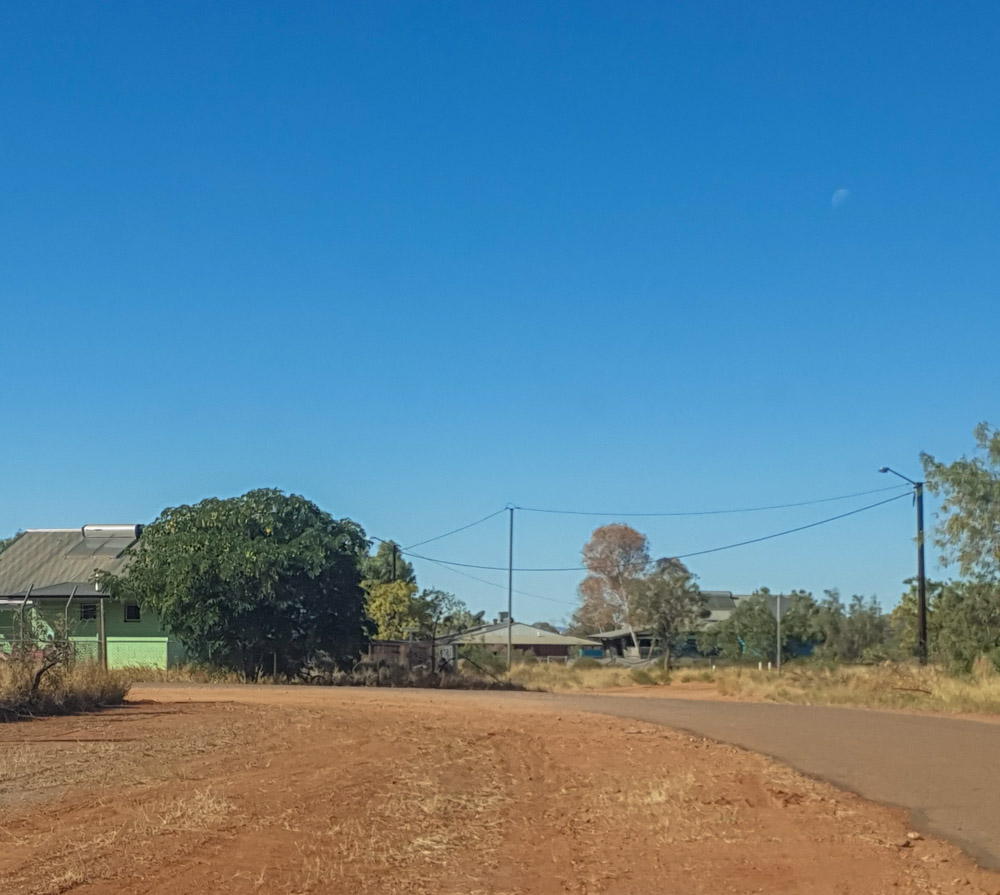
[(585, 662), (483, 659), (641, 676), (62, 689)]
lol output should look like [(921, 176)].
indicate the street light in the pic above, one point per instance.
[(918, 492)]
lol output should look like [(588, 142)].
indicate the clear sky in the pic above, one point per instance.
[(419, 260)]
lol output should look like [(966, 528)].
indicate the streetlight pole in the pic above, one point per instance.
[(918, 495), (777, 618), (510, 591)]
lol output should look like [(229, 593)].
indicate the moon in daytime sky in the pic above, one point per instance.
[(839, 197)]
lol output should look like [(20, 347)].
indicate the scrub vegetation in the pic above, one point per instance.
[(889, 685), (61, 689)]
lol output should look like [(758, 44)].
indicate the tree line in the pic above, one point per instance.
[(625, 589), (266, 576)]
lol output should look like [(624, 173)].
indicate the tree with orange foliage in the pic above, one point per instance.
[(615, 556)]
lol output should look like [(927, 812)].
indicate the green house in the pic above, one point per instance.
[(50, 589)]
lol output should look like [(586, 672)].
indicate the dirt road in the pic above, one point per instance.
[(295, 790)]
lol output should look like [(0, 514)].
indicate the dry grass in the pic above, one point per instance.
[(671, 805), (189, 673), (544, 676), (896, 686), (430, 804), (890, 685), (89, 856), (181, 803), (380, 675), (202, 810), (63, 689)]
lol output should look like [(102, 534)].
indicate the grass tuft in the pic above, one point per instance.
[(63, 690)]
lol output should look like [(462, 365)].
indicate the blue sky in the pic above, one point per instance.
[(417, 261)]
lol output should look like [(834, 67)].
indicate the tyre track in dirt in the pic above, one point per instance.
[(246, 790)]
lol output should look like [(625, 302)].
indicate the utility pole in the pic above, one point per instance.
[(777, 615), (918, 490), (918, 499), (510, 591)]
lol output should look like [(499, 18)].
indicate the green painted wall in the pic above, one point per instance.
[(149, 652), (116, 626), (143, 642)]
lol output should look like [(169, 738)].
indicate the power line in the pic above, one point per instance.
[(522, 593), (448, 567), (470, 565), (793, 530), (777, 506), (457, 530), (788, 531)]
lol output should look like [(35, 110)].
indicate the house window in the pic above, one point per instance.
[(132, 612), (88, 612)]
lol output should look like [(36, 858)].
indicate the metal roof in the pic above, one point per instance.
[(54, 561), (720, 605), (719, 600), (522, 635), (620, 632)]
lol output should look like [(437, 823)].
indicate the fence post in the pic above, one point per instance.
[(102, 637), (24, 603)]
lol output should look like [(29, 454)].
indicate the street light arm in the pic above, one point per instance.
[(900, 475)]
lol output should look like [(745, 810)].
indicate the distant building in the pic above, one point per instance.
[(543, 644), (49, 588), (719, 605)]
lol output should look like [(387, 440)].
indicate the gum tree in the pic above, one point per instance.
[(614, 557), (668, 601), (969, 533)]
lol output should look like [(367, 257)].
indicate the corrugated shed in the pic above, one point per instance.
[(54, 561), (522, 635)]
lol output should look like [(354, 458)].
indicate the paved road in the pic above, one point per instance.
[(944, 771)]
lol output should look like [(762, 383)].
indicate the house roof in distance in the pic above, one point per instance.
[(719, 606), (522, 635), (52, 561)]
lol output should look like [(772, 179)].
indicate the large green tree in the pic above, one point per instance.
[(964, 623), (964, 618), (250, 579), (969, 533), (667, 601), (387, 564)]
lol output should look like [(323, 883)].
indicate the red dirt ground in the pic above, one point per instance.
[(294, 790)]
